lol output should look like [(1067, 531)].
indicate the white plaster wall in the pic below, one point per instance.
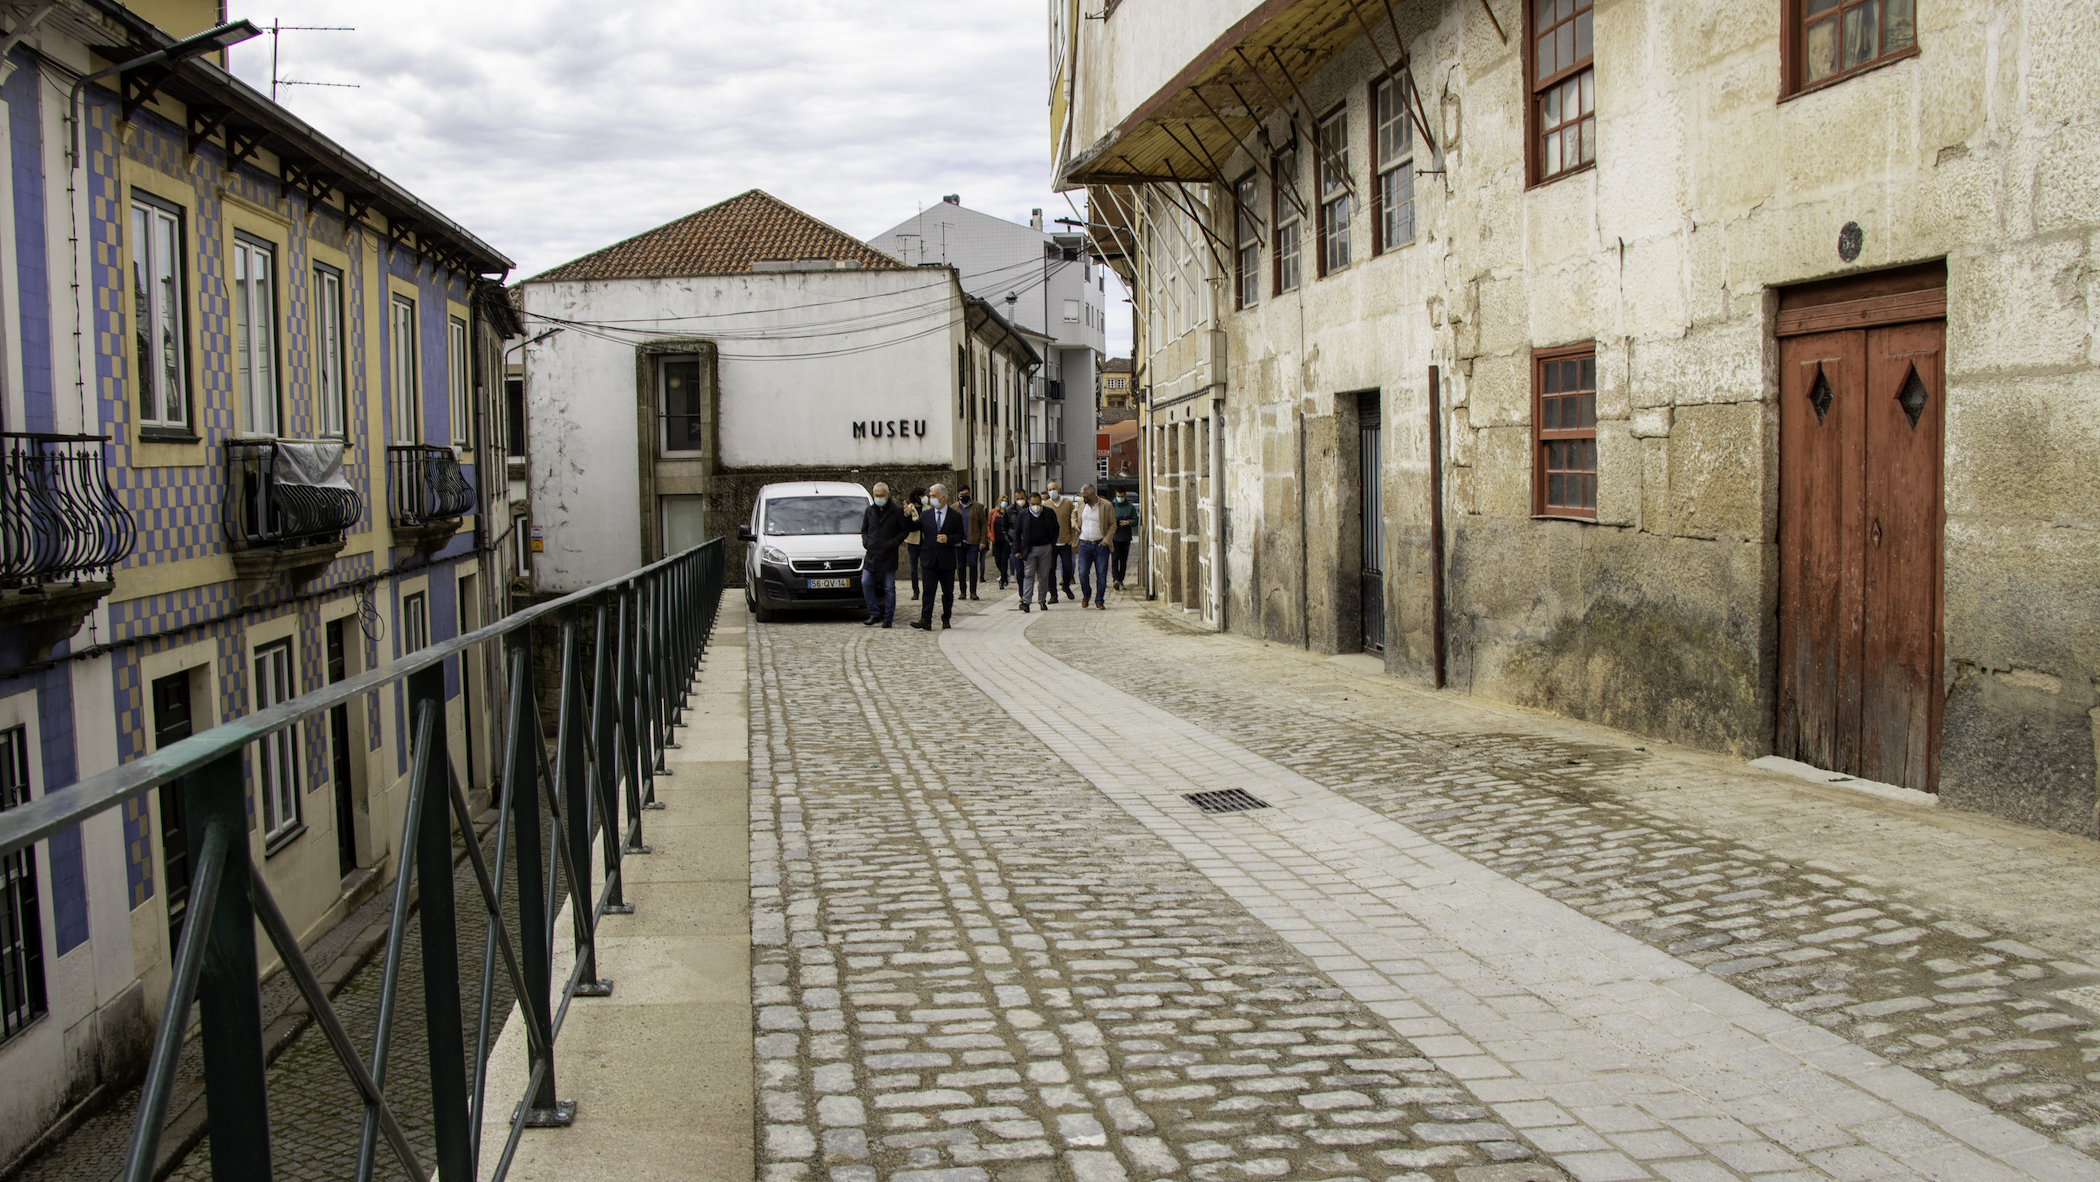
[(803, 355), (995, 257), (1127, 58)]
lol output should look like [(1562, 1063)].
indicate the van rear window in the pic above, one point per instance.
[(790, 517)]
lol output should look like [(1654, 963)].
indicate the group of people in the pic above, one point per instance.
[(1030, 538)]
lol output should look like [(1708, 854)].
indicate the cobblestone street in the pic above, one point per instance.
[(994, 943)]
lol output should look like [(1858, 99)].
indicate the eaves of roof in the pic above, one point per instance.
[(308, 160)]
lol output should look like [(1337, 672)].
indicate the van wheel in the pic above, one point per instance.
[(759, 611)]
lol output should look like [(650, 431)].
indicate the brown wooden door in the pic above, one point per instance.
[(1860, 544)]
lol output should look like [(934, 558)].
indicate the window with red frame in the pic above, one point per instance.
[(1833, 38), (1563, 87), (1565, 481)]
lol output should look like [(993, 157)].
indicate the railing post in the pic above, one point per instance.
[(570, 751), (521, 782), (227, 998), (442, 1022), (605, 766)]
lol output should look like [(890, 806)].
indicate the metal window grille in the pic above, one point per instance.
[(22, 998)]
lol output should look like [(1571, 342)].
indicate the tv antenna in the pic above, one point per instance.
[(276, 82)]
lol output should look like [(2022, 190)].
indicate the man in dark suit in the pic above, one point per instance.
[(943, 532), (882, 530)]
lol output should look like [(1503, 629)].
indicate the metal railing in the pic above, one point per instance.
[(648, 632), (262, 507), (1052, 452), (59, 518), (424, 485)]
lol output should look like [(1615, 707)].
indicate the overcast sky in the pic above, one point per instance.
[(552, 129)]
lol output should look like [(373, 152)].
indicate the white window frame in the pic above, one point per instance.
[(22, 896), (415, 622), (401, 355), (1333, 169), (331, 409), (277, 756), (158, 306), (254, 296), (1290, 226), (1393, 157), (457, 372)]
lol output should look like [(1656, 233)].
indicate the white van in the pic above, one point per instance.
[(805, 550)]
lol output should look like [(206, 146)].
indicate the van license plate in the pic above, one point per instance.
[(829, 584)]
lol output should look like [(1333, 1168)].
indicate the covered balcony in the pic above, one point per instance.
[(427, 494), (286, 509), (62, 533)]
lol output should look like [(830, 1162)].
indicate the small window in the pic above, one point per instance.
[(684, 523), (1334, 193), (457, 372), (514, 418), (1392, 154), (1565, 414), (415, 623), (1563, 88), (161, 346), (255, 335), (1246, 254), (401, 350), (1832, 39), (22, 998), (1286, 212), (330, 412), (1072, 310), (277, 757)]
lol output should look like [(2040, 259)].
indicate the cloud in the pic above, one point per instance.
[(553, 129)]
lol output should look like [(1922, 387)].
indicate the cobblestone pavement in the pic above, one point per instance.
[(996, 943)]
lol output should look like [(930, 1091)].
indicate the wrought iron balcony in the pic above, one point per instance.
[(425, 488), (287, 494), (59, 519)]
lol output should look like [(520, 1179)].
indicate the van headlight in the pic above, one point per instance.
[(773, 554)]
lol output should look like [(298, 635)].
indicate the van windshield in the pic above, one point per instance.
[(791, 517)]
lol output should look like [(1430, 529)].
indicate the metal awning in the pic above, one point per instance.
[(1190, 128)]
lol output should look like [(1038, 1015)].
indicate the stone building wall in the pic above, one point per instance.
[(1710, 193)]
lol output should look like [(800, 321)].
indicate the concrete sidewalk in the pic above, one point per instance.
[(661, 1070)]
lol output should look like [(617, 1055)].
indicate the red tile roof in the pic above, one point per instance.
[(722, 239)]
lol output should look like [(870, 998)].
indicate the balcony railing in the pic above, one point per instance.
[(287, 494), (630, 649), (59, 518), (1051, 452), (424, 486)]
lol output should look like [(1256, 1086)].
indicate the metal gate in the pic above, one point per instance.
[(1372, 599)]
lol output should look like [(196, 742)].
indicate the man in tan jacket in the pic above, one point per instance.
[(1067, 534)]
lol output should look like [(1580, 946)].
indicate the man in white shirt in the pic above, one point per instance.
[(1094, 525)]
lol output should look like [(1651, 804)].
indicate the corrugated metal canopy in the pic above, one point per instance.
[(1191, 127)]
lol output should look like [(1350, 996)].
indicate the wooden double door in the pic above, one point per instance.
[(1861, 525)]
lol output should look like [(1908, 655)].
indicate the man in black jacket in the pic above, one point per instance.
[(943, 533), (1035, 547), (882, 530)]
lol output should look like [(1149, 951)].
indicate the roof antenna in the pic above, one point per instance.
[(276, 82)]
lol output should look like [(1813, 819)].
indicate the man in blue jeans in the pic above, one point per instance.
[(1094, 525), (882, 529)]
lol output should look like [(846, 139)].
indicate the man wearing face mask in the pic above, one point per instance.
[(882, 530), (973, 547), (941, 532), (1061, 506), (1035, 542), (1093, 522), (1126, 525)]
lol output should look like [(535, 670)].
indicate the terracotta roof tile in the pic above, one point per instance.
[(722, 239)]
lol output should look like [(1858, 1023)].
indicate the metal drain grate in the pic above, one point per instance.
[(1231, 800)]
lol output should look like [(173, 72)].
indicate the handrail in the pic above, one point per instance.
[(651, 631)]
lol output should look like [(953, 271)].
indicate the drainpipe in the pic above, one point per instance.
[(1304, 545), (1436, 528)]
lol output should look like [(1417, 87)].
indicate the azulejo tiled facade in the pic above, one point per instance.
[(180, 624)]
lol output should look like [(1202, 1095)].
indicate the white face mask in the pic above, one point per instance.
[(1002, 504)]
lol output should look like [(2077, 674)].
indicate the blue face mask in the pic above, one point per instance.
[(882, 500)]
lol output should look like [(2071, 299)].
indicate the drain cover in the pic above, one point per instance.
[(1231, 800)]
